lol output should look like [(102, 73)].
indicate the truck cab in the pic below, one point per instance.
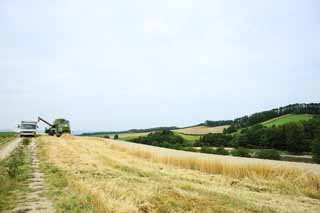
[(28, 128)]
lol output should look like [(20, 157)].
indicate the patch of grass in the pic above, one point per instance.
[(5, 137), (287, 119), (59, 189), (14, 173)]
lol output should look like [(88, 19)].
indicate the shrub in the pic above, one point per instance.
[(207, 150), (189, 149), (241, 152), (106, 136), (316, 150), (116, 136), (268, 154), (162, 138), (215, 139), (221, 151)]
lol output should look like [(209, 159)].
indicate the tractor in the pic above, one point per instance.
[(58, 127)]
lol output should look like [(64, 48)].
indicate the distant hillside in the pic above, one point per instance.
[(284, 119), (276, 116), (260, 117)]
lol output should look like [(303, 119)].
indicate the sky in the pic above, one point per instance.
[(117, 65)]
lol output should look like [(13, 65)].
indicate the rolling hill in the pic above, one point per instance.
[(193, 133)]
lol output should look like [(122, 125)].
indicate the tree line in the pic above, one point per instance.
[(162, 138), (218, 123), (129, 131)]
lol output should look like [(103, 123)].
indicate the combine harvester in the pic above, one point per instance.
[(59, 127)]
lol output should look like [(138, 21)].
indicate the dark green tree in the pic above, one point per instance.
[(316, 150), (294, 133)]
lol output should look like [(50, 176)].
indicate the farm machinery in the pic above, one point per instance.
[(28, 128), (58, 127)]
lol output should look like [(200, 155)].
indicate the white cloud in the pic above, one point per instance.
[(154, 25)]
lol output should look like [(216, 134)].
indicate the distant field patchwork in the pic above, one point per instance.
[(201, 130), (189, 134), (131, 135)]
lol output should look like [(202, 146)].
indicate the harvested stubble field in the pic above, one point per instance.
[(201, 130), (125, 177), (133, 134)]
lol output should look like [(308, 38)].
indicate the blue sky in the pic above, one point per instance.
[(113, 65)]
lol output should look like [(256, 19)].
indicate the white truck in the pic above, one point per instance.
[(28, 128)]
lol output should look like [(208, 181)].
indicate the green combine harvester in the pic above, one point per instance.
[(59, 127)]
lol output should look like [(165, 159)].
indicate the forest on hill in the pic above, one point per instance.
[(259, 117)]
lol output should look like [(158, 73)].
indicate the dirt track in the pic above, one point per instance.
[(34, 201), (8, 148)]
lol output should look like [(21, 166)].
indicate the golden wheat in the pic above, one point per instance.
[(127, 177), (296, 177)]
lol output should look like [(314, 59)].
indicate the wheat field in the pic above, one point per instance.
[(201, 130), (126, 177)]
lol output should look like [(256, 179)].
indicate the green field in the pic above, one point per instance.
[(287, 119), (7, 134), (189, 138), (6, 137)]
